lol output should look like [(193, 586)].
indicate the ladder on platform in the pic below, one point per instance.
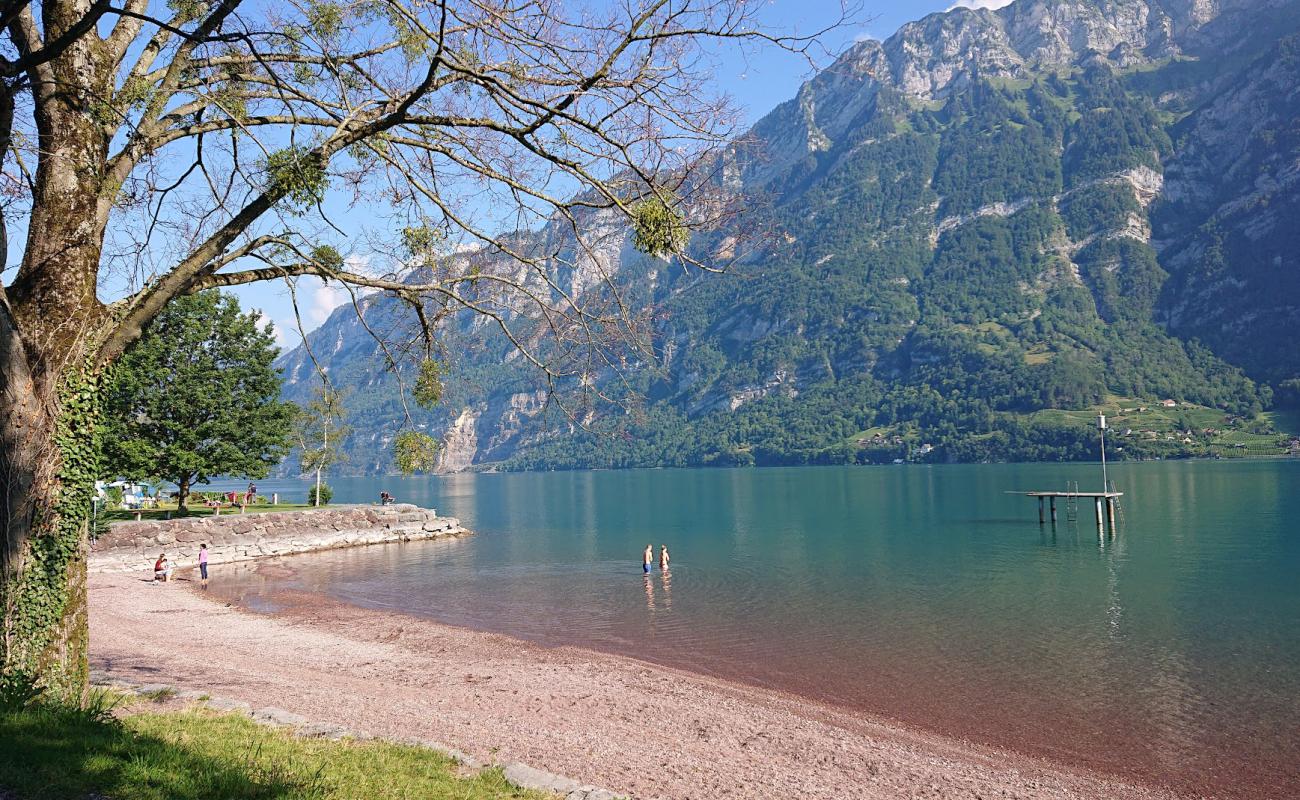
[(1072, 501), (1119, 507)]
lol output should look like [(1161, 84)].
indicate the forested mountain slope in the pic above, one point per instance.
[(989, 215)]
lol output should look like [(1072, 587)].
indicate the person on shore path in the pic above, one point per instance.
[(648, 558), (203, 565), (663, 557)]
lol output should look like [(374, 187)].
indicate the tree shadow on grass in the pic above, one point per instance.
[(57, 752)]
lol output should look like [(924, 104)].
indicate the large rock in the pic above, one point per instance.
[(526, 777)]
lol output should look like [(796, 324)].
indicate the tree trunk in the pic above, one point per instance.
[(183, 492), (46, 486), (325, 448), (51, 323)]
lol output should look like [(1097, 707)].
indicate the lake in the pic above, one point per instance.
[(1168, 653)]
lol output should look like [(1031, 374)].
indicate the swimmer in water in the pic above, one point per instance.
[(648, 558), (663, 557)]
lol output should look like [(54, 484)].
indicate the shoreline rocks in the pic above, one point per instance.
[(132, 546)]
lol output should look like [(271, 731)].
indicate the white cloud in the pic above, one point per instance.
[(279, 331), (974, 4), (322, 299), (321, 302)]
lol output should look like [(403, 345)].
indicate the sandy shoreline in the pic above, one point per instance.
[(649, 731)]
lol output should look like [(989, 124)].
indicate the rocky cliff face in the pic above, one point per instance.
[(1229, 227), (930, 59), (1017, 205)]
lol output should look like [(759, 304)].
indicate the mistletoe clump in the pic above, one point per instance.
[(298, 175), (415, 452), (658, 229), (428, 384)]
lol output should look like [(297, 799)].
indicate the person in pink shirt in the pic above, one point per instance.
[(203, 565)]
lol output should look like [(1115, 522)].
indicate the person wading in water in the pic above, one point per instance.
[(648, 558)]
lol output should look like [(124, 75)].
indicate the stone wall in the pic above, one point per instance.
[(130, 546)]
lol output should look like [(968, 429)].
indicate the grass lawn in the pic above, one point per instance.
[(197, 509), (193, 754), (1160, 430), (1122, 413)]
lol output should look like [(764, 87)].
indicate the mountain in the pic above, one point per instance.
[(986, 221)]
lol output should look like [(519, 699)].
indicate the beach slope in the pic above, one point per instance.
[(649, 731)]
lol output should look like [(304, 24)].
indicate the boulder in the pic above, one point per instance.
[(225, 704), (270, 715), (323, 730), (128, 530), (526, 777)]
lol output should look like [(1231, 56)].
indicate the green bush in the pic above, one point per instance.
[(326, 494), (113, 497)]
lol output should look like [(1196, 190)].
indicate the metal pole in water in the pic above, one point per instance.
[(1100, 520), (1101, 426)]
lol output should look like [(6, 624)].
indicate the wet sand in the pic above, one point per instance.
[(649, 731)]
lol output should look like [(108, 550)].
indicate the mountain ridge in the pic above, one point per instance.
[(1006, 216)]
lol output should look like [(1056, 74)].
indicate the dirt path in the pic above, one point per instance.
[(646, 730)]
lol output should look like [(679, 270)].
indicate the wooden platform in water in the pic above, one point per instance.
[(1104, 502), (1070, 494)]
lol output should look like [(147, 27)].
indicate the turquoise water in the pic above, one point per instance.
[(1167, 653)]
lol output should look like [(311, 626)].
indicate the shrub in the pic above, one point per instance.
[(326, 494), (113, 498)]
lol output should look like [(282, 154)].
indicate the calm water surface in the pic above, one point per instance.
[(1168, 653)]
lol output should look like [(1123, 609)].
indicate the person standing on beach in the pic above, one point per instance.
[(663, 557), (203, 565), (648, 558)]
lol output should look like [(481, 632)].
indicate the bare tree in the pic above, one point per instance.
[(155, 149)]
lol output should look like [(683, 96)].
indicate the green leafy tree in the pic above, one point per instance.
[(320, 433), (197, 396)]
